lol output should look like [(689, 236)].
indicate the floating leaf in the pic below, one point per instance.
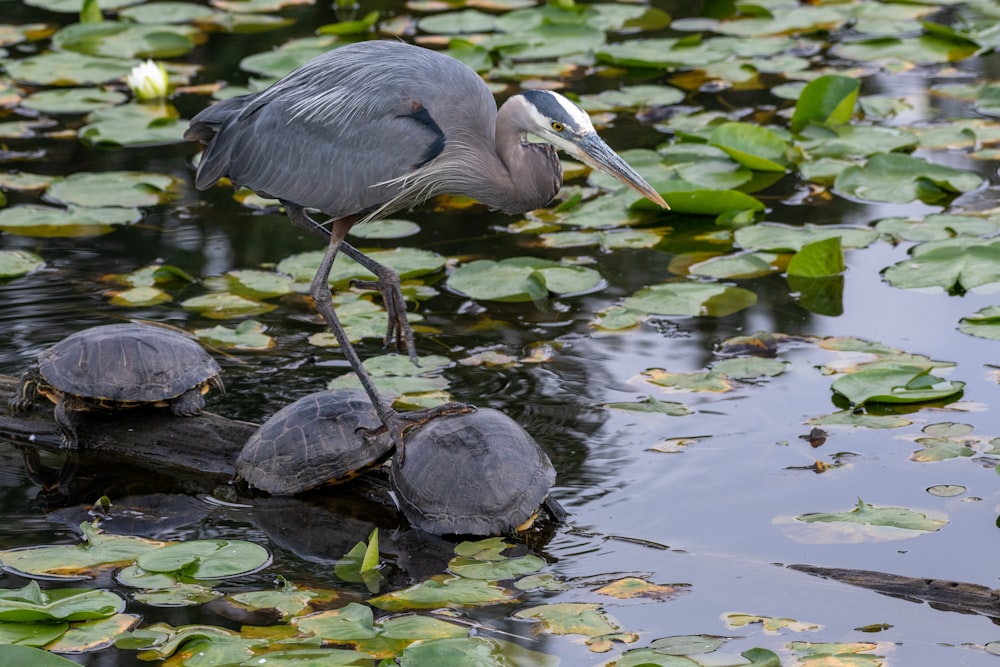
[(956, 266), (749, 368), (737, 267), (771, 237), (67, 69), (442, 591), (113, 188), (896, 517), (653, 405), (938, 227), (93, 635), (771, 624), (177, 595), (31, 604), (133, 125), (900, 179), (676, 299), (634, 587), (248, 336), (387, 228), (15, 263), (826, 100), (222, 305), (495, 570), (14, 654), (206, 559), (571, 618), (126, 40), (851, 418), (77, 561), (818, 259), (891, 383), (519, 279), (73, 100), (75, 221), (752, 146)]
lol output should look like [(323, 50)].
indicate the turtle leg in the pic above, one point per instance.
[(189, 403), (67, 420), (398, 331), (27, 392)]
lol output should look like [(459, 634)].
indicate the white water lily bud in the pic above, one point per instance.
[(149, 81)]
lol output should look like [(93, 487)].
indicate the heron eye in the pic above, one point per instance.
[(557, 126)]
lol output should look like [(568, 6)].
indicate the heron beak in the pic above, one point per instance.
[(595, 152)]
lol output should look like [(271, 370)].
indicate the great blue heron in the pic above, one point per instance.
[(372, 128)]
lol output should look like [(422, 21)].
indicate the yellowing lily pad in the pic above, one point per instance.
[(956, 265), (571, 618), (133, 125), (222, 305), (248, 336), (75, 221), (653, 405), (634, 587), (115, 39), (771, 624)]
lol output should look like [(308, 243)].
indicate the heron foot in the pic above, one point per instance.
[(398, 332)]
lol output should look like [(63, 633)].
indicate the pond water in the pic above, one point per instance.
[(707, 502)]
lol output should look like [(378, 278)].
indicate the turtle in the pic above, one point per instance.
[(115, 367), (325, 438), (476, 473)]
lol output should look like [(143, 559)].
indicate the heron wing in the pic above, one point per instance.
[(334, 134)]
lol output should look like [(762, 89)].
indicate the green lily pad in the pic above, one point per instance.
[(387, 228), (922, 49), (30, 634), (113, 188), (67, 69), (15, 654), (985, 323), (900, 179), (851, 418), (606, 240), (135, 297), (939, 227), (865, 514), (632, 97), (223, 305), (206, 559), (260, 284), (852, 142), (248, 336), (956, 266), (940, 449), (892, 383), (166, 11), (772, 237), (495, 570), (113, 39), (827, 100), (769, 623), (133, 125), (818, 259), (16, 263), (457, 22), (289, 600), (443, 591), (739, 266), (752, 146), (749, 368), (347, 28), (473, 652), (31, 604), (683, 197), (676, 299), (178, 595), (73, 100), (98, 551), (519, 279), (76, 221)]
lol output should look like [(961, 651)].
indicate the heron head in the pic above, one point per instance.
[(555, 120)]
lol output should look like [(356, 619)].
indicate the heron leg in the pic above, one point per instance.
[(396, 422), (398, 331)]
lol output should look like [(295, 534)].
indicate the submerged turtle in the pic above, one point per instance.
[(119, 366), (324, 438), (477, 473)]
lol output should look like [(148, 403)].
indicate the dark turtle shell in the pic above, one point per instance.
[(476, 473), (127, 364), (323, 438)]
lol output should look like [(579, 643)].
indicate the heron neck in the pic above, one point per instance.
[(532, 174)]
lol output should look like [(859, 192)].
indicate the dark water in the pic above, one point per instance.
[(713, 517)]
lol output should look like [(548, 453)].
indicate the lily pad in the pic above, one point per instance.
[(985, 323), (890, 383), (67, 69), (518, 279), (387, 228), (113, 188), (900, 179), (818, 259), (826, 100), (133, 125), (15, 654), (571, 618), (443, 591), (206, 559), (676, 299), (113, 39), (653, 405), (407, 262), (223, 305), (752, 146), (73, 100), (93, 635), (75, 221), (15, 263), (773, 237), (956, 266), (31, 604), (896, 517)]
